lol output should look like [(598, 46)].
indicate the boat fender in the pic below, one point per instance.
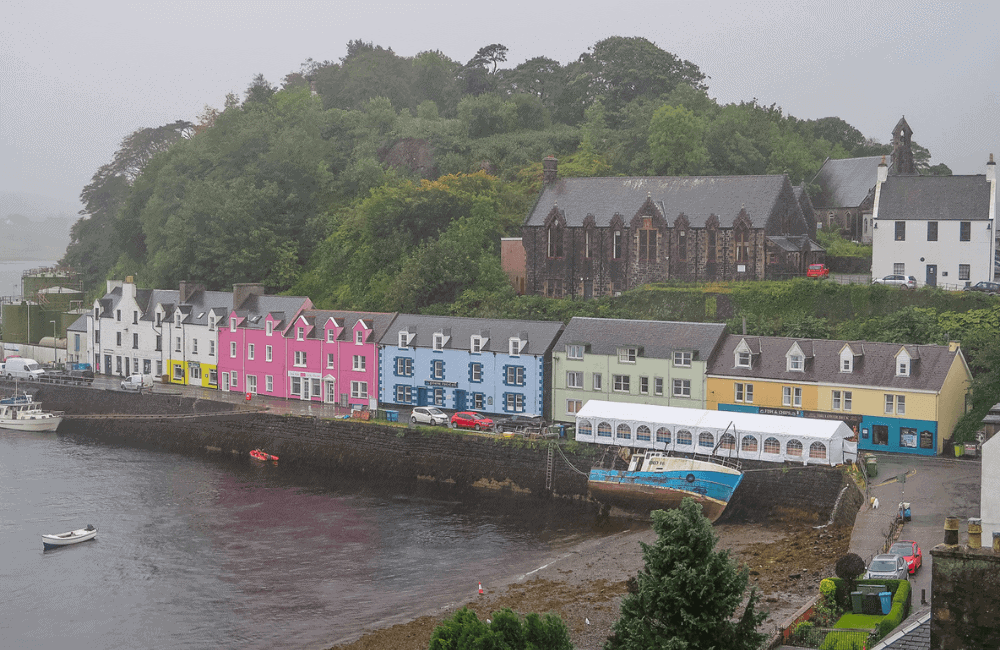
[(690, 478)]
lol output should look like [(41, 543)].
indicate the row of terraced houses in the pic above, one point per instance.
[(904, 398)]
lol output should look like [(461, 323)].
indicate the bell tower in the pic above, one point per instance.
[(902, 153)]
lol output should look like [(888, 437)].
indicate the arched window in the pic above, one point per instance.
[(727, 442), (663, 435), (624, 432), (555, 241), (585, 428), (642, 433), (772, 446), (817, 450), (793, 448), (706, 439), (742, 246), (603, 430), (748, 444), (684, 438)]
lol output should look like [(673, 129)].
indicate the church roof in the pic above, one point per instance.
[(846, 182)]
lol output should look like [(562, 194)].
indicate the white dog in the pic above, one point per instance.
[(874, 503)]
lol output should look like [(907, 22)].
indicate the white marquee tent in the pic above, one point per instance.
[(747, 436)]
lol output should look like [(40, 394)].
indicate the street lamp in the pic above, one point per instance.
[(54, 357)]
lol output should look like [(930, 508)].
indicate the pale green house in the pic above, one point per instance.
[(639, 361)]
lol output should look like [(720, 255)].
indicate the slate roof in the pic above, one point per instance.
[(935, 198), (255, 308), (202, 302), (541, 335), (912, 634), (698, 197), (109, 302), (794, 243), (846, 182), (379, 322), (658, 339), (79, 325), (166, 297), (875, 365)]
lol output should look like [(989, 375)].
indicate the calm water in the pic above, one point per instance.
[(196, 552), (10, 275)]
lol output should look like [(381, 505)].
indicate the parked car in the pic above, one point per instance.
[(909, 551), (82, 371), (137, 382), (428, 415), (471, 420), (991, 288), (887, 567), (22, 368), (817, 271), (521, 424), (901, 281)]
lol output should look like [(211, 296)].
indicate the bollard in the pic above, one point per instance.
[(975, 532), (951, 531), (923, 596)]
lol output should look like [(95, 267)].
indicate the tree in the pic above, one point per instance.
[(688, 593), (464, 631), (259, 91), (676, 139), (985, 392), (849, 568)]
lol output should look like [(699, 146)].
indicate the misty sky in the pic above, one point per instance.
[(75, 77)]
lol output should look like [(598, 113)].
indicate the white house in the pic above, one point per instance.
[(939, 229), (989, 504), (191, 334), (122, 341)]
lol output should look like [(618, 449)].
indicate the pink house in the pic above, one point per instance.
[(252, 344), (332, 356)]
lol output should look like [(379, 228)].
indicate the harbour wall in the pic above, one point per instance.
[(396, 453)]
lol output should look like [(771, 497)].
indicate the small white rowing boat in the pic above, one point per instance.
[(72, 537)]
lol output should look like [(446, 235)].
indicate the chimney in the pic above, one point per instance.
[(951, 531), (243, 291), (996, 542), (975, 532), (883, 171), (991, 170), (550, 167), (953, 346), (183, 292)]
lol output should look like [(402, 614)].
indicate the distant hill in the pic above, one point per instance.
[(33, 227)]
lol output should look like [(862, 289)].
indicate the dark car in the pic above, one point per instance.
[(471, 420), (521, 424), (990, 288)]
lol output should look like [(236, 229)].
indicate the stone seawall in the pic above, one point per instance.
[(396, 453)]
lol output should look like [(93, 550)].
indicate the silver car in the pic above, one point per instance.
[(428, 415), (901, 281), (888, 567)]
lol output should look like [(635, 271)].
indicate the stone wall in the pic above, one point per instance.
[(79, 400), (768, 492), (965, 598)]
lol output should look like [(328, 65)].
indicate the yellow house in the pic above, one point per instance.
[(902, 398)]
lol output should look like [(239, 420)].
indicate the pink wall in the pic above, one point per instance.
[(336, 380)]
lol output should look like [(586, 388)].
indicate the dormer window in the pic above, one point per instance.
[(627, 355), (269, 327), (300, 333), (331, 335), (796, 362), (211, 323), (438, 341), (359, 337), (232, 325), (574, 352), (476, 344), (903, 364), (515, 345), (158, 316), (846, 360), (403, 339)]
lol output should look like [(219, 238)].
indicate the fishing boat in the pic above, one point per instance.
[(72, 537), (655, 480), (257, 454), (22, 413)]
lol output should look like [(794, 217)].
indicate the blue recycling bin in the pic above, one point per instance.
[(886, 598), (392, 416)]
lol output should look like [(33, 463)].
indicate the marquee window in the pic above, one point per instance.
[(727, 442), (643, 433), (603, 430), (748, 444), (624, 432), (817, 450), (585, 429), (663, 435), (793, 448), (772, 446), (706, 439), (684, 437)]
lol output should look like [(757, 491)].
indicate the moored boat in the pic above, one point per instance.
[(72, 537), (262, 455), (22, 413), (656, 480)]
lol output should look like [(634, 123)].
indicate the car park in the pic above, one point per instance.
[(989, 288), (428, 415), (817, 271), (471, 420), (137, 382), (909, 551), (521, 424), (887, 567), (901, 281)]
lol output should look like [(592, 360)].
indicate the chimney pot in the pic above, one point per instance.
[(951, 531), (975, 532)]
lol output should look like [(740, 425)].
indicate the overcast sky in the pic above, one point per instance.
[(77, 77)]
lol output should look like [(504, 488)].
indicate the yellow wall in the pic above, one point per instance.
[(951, 406), (721, 390), (205, 368)]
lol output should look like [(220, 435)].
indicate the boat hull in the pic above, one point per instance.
[(710, 485), (68, 539), (31, 424)]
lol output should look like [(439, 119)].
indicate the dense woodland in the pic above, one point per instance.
[(385, 182)]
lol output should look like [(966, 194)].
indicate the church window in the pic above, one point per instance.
[(555, 241), (647, 244)]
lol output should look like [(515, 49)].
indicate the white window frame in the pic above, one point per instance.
[(476, 373), (269, 383), (796, 363), (359, 337), (268, 353), (682, 358), (438, 341), (476, 344), (300, 333), (232, 349), (194, 345), (300, 359), (574, 379), (682, 388), (359, 389), (743, 359), (358, 362), (268, 327), (627, 355), (250, 351), (437, 369), (573, 406), (330, 357), (848, 400), (598, 382), (514, 346), (621, 383), (252, 384), (658, 386), (331, 335), (574, 352), (211, 348), (643, 385)]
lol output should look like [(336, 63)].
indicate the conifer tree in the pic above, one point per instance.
[(687, 595)]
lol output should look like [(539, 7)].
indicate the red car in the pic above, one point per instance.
[(910, 552), (471, 420), (817, 271)]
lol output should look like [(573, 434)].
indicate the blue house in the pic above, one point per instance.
[(481, 364)]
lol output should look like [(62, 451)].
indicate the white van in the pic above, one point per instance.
[(137, 382), (20, 368)]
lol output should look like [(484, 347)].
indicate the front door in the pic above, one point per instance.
[(107, 364), (127, 373), (225, 381), (305, 388), (931, 275), (588, 289), (331, 391)]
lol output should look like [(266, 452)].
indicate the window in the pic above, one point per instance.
[(359, 362), (682, 248), (903, 365), (555, 241), (643, 433), (211, 348), (97, 336), (796, 362), (267, 353), (437, 369), (657, 385), (621, 383), (232, 349), (742, 246), (598, 385), (743, 392), (300, 333), (898, 268), (644, 385), (178, 372), (846, 363), (748, 444), (932, 230), (194, 345), (573, 406), (118, 316), (647, 245), (793, 448), (616, 250), (742, 359), (515, 402), (663, 435), (728, 441), (684, 438), (900, 405), (478, 401), (296, 387), (300, 358), (330, 356), (177, 344), (135, 343), (159, 341), (574, 351), (574, 379), (268, 327), (791, 396), (515, 346), (159, 368), (404, 367), (515, 376), (964, 231), (476, 345), (331, 335), (359, 337), (359, 389), (211, 323), (234, 379), (963, 271), (476, 372), (836, 400), (847, 400), (586, 244), (135, 318), (900, 231), (232, 326), (817, 450), (250, 351), (403, 394), (682, 388), (603, 430), (269, 383), (252, 384), (682, 359), (772, 446), (118, 339), (627, 355)]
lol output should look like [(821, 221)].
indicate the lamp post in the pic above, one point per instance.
[(54, 358)]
